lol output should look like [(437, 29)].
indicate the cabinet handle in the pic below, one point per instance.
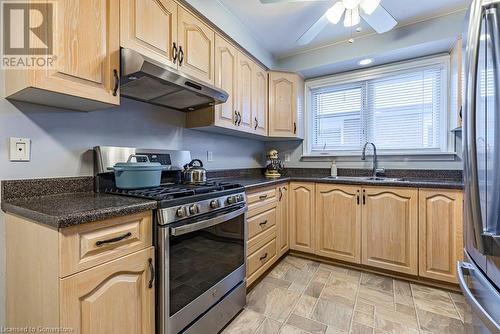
[(263, 257), (364, 197), (264, 223), (294, 128), (152, 272), (256, 123), (263, 197), (181, 55), (117, 82), (357, 197), (236, 117), (175, 52), (281, 194), (239, 122), (112, 240)]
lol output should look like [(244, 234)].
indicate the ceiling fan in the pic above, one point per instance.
[(371, 11)]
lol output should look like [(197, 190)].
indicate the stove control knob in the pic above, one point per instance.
[(194, 209), (241, 198), (232, 199), (215, 204), (181, 212)]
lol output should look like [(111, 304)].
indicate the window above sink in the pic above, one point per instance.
[(402, 108)]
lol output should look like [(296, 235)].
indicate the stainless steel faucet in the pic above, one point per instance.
[(375, 169)]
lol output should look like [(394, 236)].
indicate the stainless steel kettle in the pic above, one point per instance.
[(194, 174)]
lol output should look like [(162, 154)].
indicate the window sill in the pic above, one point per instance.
[(382, 156)]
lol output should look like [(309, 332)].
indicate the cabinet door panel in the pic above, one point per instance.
[(111, 298), (260, 101), (245, 101), (198, 44), (226, 72), (282, 104), (338, 222), (283, 219), (440, 233), (150, 27), (390, 229), (87, 50), (302, 216)]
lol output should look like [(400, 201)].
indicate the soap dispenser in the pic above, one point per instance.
[(333, 169)]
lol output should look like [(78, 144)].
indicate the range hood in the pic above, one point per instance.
[(147, 80)]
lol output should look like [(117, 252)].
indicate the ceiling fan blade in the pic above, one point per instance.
[(313, 31), (380, 20), (286, 1)]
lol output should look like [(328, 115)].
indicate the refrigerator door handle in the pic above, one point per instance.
[(476, 307), (470, 149)]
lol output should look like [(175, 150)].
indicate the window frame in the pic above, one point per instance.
[(361, 77)]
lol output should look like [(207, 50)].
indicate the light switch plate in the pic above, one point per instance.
[(210, 156), (287, 157), (20, 149)]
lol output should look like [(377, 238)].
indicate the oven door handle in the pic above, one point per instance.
[(188, 228)]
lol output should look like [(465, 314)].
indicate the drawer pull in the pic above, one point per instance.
[(109, 241), (263, 197), (263, 223), (263, 257), (152, 271)]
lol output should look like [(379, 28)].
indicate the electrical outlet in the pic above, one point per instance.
[(210, 156), (20, 149), (287, 157)]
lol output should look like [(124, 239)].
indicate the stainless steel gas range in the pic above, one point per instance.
[(200, 235)]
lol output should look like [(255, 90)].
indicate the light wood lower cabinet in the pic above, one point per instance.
[(282, 219), (111, 298), (94, 278), (390, 229), (440, 233), (338, 222), (302, 216)]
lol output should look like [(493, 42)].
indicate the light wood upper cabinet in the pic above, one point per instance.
[(196, 47), (245, 100), (111, 298), (282, 219), (260, 101), (338, 222), (302, 215), (390, 229), (87, 55), (226, 77), (150, 27), (285, 104), (440, 233)]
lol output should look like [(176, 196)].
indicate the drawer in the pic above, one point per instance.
[(261, 197), (260, 223), (261, 257), (85, 246)]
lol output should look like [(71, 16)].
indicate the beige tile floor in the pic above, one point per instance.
[(300, 296)]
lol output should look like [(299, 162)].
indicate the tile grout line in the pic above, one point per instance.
[(456, 308), (415, 306), (356, 304)]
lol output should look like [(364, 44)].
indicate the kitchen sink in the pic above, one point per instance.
[(365, 178)]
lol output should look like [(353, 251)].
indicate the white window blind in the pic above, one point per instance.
[(398, 111)]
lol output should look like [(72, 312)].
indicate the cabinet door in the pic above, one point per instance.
[(282, 220), (111, 298), (197, 42), (302, 216), (226, 72), (260, 101), (150, 27), (245, 102), (390, 229), (338, 222), (282, 104), (440, 233), (87, 48)]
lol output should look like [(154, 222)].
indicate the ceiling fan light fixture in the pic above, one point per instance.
[(352, 17), (369, 6), (350, 4), (334, 14)]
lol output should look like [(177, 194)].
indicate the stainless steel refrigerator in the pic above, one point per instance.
[(479, 274)]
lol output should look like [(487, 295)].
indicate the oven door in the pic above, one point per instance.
[(204, 260)]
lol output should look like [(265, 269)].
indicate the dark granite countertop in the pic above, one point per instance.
[(257, 182), (63, 210)]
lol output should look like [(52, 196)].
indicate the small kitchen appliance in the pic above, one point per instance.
[(274, 166), (200, 240)]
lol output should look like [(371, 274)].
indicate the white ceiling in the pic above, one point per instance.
[(278, 26)]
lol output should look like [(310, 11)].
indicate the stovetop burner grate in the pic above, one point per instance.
[(174, 191)]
